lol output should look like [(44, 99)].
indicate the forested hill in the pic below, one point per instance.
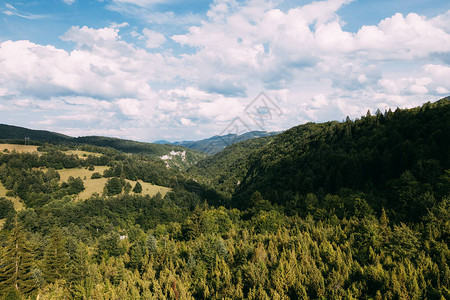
[(218, 143), (224, 169), (177, 156), (9, 132), (350, 210), (182, 156), (396, 158)]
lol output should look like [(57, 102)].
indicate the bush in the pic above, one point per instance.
[(114, 186), (6, 206), (96, 175)]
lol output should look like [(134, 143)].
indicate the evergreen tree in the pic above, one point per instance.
[(137, 188), (16, 263), (127, 188), (6, 206), (113, 186), (56, 258)]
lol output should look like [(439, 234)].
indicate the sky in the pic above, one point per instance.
[(179, 70)]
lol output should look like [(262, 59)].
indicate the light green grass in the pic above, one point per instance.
[(18, 205), (18, 148), (2, 222)]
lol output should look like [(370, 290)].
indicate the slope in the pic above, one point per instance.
[(177, 156), (378, 155), (225, 169), (9, 132), (218, 143)]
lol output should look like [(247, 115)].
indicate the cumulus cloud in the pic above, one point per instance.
[(303, 57), (153, 39)]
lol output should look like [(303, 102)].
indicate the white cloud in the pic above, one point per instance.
[(69, 2), (303, 57), (130, 107), (153, 39), (143, 3)]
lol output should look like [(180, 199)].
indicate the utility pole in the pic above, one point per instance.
[(27, 141)]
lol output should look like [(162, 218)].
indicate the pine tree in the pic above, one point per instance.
[(16, 263), (137, 188), (56, 258), (113, 186)]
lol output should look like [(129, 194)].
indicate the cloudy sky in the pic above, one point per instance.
[(186, 69)]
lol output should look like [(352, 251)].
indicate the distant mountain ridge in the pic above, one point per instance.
[(15, 134), (218, 143)]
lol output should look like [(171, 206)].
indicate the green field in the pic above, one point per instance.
[(96, 185)]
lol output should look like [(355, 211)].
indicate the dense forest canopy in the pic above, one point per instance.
[(358, 209)]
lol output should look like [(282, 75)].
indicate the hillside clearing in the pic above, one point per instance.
[(18, 148), (81, 154), (83, 173), (31, 149), (96, 185), (18, 205)]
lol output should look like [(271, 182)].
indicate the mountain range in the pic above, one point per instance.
[(217, 143), (353, 209)]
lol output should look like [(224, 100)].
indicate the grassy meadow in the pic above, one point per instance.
[(31, 149), (82, 154), (18, 205), (96, 185), (18, 148)]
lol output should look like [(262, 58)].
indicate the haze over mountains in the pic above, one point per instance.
[(217, 143)]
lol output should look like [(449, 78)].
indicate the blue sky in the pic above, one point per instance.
[(182, 70)]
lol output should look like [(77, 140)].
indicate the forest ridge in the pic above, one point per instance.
[(353, 209)]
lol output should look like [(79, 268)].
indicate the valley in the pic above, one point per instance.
[(352, 209)]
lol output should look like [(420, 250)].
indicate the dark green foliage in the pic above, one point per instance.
[(137, 188), (399, 157), (353, 210), (74, 185), (8, 132), (16, 263), (113, 186), (110, 245), (127, 187), (6, 207), (96, 175), (152, 150), (56, 259)]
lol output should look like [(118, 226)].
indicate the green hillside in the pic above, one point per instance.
[(380, 155), (225, 169), (178, 159), (216, 143), (14, 134), (8, 132), (338, 210)]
